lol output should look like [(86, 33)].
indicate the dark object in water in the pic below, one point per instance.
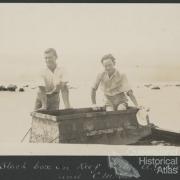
[(155, 87), (21, 89), (86, 126), (3, 88), (11, 87), (178, 85)]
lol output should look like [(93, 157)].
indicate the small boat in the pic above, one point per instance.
[(86, 126)]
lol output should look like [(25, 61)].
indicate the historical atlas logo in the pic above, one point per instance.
[(160, 165)]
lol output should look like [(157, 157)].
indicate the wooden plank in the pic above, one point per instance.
[(81, 115), (43, 116), (62, 112), (96, 114)]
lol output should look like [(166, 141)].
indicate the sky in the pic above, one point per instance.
[(144, 38)]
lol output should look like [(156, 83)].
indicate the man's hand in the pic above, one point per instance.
[(95, 107), (64, 84), (51, 92), (147, 109), (42, 108)]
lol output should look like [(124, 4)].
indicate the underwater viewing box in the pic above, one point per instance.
[(86, 126)]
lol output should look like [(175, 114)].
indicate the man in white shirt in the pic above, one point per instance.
[(114, 85), (51, 82)]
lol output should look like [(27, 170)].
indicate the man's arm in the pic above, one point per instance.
[(132, 97), (94, 88), (65, 95), (93, 96), (42, 95)]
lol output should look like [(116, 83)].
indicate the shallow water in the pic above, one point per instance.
[(15, 108)]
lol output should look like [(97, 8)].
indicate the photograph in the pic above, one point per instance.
[(90, 74)]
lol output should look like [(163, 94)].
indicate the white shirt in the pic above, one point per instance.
[(113, 85), (50, 79)]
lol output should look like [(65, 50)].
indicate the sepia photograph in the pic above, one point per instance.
[(91, 74)]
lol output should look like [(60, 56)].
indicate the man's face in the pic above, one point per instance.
[(108, 65), (50, 60)]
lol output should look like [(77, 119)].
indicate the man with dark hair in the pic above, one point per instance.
[(50, 84), (114, 85)]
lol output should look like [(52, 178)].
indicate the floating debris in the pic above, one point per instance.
[(21, 89), (3, 88), (156, 87)]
